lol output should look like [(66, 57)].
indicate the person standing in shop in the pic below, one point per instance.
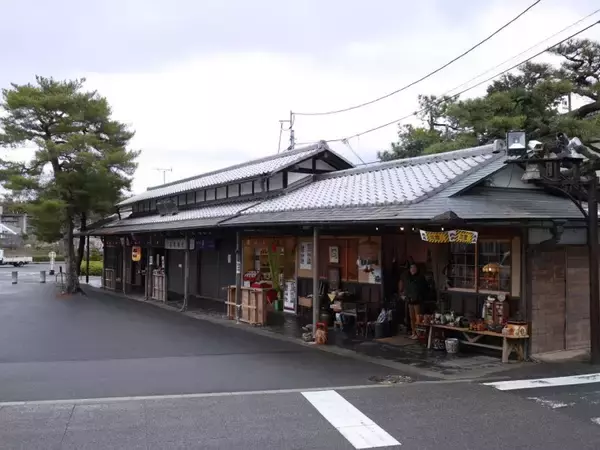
[(413, 287)]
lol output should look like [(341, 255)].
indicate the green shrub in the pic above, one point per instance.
[(95, 268), (95, 255), (45, 259)]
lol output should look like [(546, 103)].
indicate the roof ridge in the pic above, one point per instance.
[(423, 159), (319, 145)]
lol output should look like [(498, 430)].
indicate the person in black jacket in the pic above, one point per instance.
[(414, 287)]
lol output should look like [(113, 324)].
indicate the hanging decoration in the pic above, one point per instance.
[(445, 237)]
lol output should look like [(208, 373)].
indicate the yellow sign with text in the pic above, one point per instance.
[(446, 237)]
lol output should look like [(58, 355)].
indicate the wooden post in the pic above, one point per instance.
[(238, 275), (186, 273), (87, 261), (315, 274)]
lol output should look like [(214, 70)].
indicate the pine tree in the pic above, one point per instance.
[(81, 164)]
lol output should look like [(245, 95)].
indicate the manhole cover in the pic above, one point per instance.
[(390, 379)]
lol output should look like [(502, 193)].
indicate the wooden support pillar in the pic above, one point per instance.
[(186, 273), (315, 276), (149, 268), (124, 269), (87, 260), (238, 275), (103, 281)]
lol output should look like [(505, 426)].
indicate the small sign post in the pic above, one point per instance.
[(52, 256)]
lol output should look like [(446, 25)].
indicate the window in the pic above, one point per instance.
[(247, 188), (152, 205), (461, 273), (233, 190), (199, 196), (484, 267), (191, 198), (135, 208), (210, 194), (494, 263), (222, 192), (181, 199), (258, 186), (276, 182)]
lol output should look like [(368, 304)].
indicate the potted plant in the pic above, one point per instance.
[(273, 255)]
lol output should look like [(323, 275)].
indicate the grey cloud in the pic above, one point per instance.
[(131, 35)]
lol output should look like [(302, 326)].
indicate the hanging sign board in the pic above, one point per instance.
[(206, 244), (136, 253), (175, 244), (445, 237)]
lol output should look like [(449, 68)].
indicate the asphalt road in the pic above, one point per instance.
[(424, 416), (101, 372)]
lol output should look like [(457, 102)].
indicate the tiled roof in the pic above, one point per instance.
[(193, 218), (400, 182), (488, 204), (249, 169)]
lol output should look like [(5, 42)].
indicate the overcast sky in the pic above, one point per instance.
[(204, 82)]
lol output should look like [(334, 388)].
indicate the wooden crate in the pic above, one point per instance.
[(109, 279), (159, 287), (254, 305)]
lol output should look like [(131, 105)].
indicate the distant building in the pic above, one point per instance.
[(17, 222)]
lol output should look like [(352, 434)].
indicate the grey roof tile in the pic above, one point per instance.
[(249, 169), (399, 182), (486, 204), (209, 216)]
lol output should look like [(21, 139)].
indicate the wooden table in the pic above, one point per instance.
[(510, 344)]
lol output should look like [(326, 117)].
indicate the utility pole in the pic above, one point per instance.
[(292, 137), (569, 106), (164, 172), (290, 129)]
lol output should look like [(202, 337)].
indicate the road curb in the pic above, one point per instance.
[(401, 367)]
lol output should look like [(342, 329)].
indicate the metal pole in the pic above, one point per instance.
[(87, 258), (42, 276), (238, 275), (15, 277), (593, 263), (315, 275)]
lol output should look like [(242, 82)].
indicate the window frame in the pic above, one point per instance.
[(477, 289)]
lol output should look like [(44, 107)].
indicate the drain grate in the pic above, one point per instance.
[(390, 379)]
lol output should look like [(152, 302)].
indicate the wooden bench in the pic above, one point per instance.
[(510, 344)]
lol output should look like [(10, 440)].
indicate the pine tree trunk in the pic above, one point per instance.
[(81, 246), (72, 280)]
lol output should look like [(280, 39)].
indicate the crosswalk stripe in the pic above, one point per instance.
[(545, 382), (357, 428)]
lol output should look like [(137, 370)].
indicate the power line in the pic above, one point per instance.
[(467, 89), (347, 144), (512, 58), (326, 113)]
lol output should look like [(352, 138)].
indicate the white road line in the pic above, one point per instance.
[(85, 401), (545, 382), (357, 428), (596, 420)]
